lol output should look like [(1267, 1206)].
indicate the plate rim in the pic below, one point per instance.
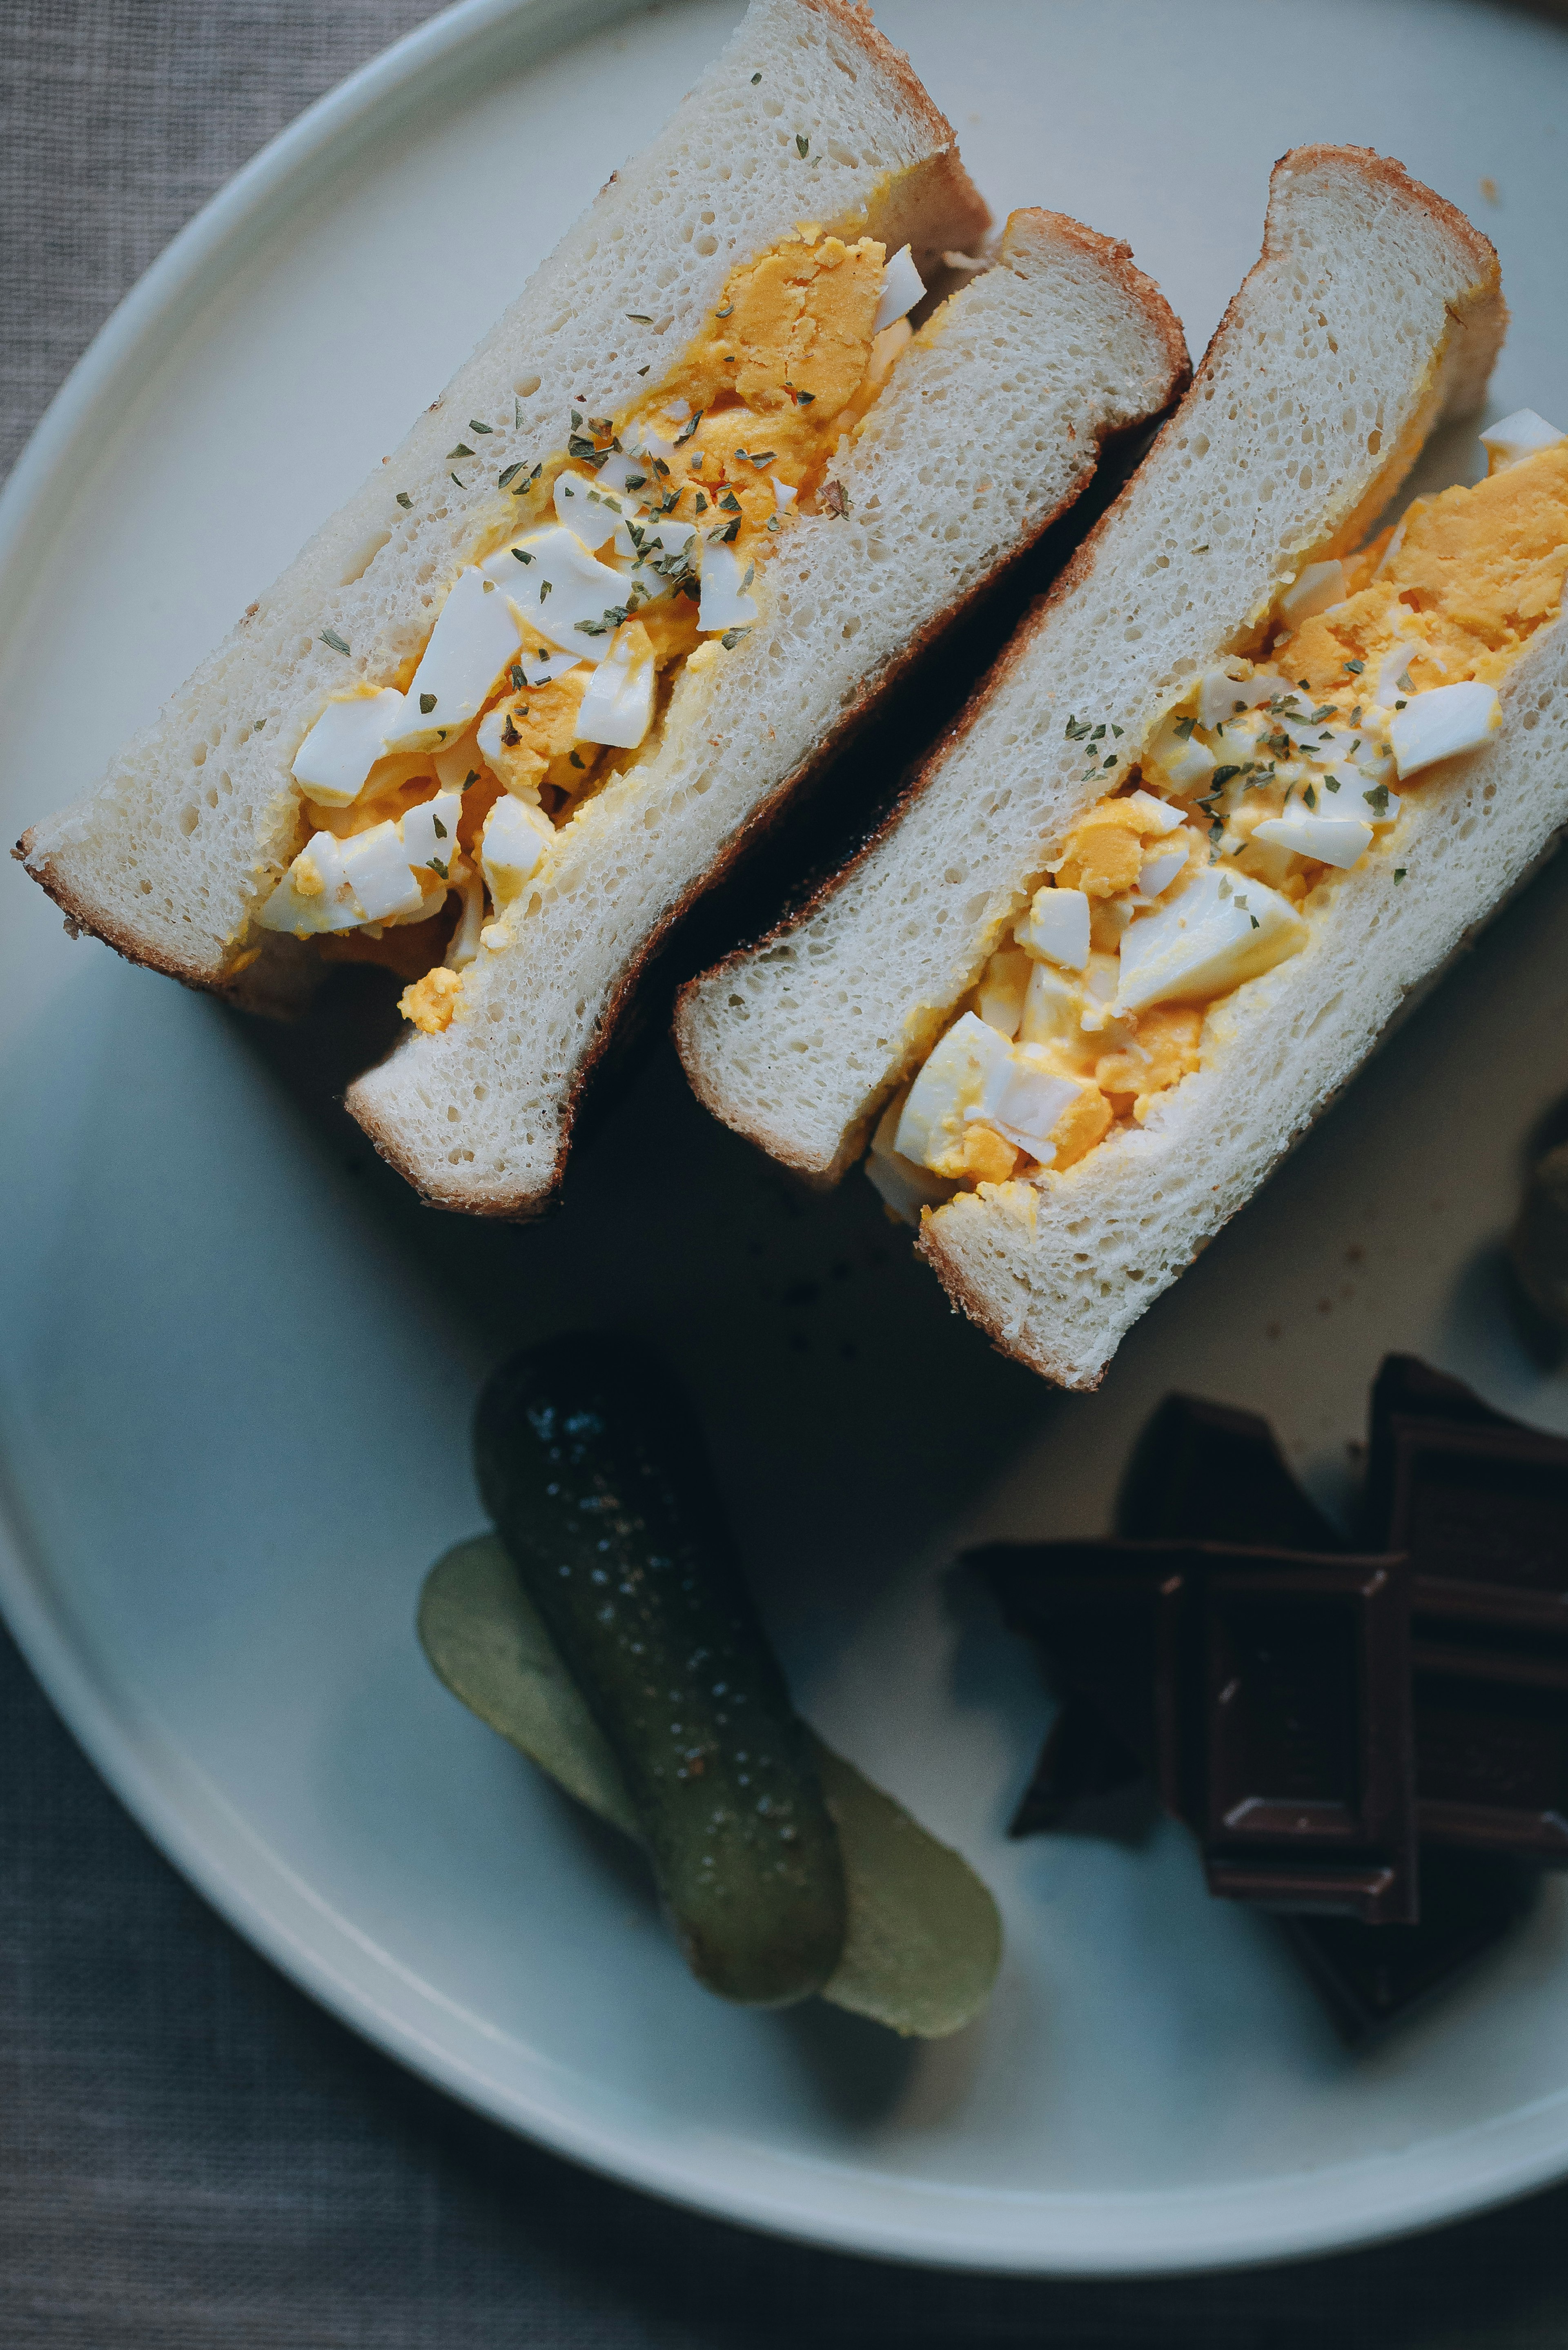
[(1333, 2208)]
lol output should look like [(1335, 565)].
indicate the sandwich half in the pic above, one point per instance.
[(1232, 793), (696, 501)]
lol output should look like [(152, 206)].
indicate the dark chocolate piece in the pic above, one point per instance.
[(1484, 1506), (1491, 1745), (1269, 1693), (1306, 1798), (1083, 1766), (1469, 1900), (1408, 1389), (1206, 1473)]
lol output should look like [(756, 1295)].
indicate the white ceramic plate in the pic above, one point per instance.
[(237, 1364)]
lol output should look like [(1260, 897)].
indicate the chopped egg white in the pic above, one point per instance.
[(554, 584), (902, 286), (1220, 695), (464, 944), (903, 1186), (351, 734), (1338, 841), (1221, 929), (510, 847), (1314, 590), (1153, 815), (592, 513), (1178, 759), (1162, 865), (312, 895), (618, 707), (1393, 680), (474, 637), (785, 496), (1057, 927), (375, 867), (975, 1075), (1517, 436), (724, 603), (1053, 1007), (1441, 724), (430, 831)]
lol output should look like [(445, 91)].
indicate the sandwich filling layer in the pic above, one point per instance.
[(1266, 784), (430, 802)]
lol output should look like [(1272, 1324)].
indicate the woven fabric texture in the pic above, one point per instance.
[(191, 2154)]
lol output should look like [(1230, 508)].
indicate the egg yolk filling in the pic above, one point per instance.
[(432, 802), (1262, 788)]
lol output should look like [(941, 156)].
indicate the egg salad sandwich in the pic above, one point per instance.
[(698, 498), (1234, 793)]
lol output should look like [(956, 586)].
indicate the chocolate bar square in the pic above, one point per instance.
[(1307, 1797), (1480, 1505), (1268, 1692), (1205, 1472), (1491, 1747)]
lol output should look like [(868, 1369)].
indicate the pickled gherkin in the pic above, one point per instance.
[(597, 1477)]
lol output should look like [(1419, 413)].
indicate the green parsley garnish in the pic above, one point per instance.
[(331, 636), (1400, 873), (475, 426), (803, 145), (426, 703), (461, 450), (404, 500), (640, 317)]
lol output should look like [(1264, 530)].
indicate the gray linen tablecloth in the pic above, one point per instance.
[(191, 2154)]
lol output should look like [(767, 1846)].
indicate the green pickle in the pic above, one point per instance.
[(598, 1480)]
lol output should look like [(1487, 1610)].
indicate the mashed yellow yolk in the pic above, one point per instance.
[(431, 1001), (1105, 850), (1473, 573), (1160, 1052), (538, 736)]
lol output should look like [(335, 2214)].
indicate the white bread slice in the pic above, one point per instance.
[(192, 825), (1375, 308), (991, 425)]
